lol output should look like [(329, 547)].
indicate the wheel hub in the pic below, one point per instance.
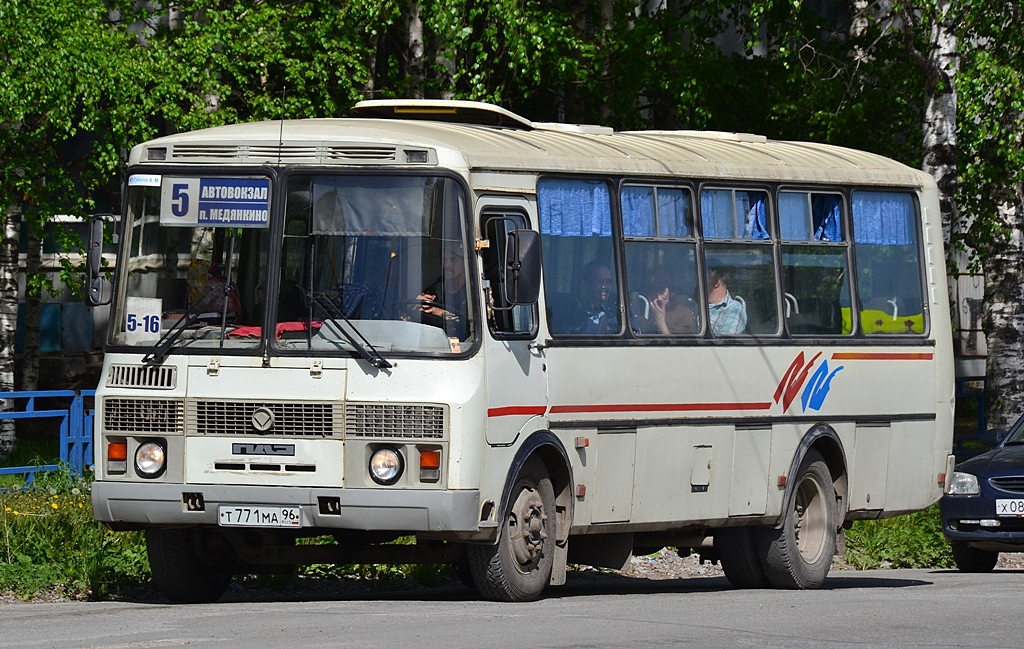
[(527, 527)]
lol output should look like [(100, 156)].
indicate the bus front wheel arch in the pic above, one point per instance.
[(798, 553), (519, 566)]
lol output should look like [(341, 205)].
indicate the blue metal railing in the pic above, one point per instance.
[(75, 428)]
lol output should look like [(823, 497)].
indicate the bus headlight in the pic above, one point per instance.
[(386, 466), (964, 484), (151, 459)]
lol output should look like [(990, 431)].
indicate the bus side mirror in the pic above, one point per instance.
[(522, 267), (98, 291)]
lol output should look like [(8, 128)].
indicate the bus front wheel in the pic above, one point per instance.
[(518, 567), (799, 554), (186, 569)]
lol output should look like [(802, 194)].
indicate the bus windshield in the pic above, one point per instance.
[(370, 265), (382, 258), (192, 262)]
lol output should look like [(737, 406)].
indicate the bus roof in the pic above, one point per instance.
[(480, 137)]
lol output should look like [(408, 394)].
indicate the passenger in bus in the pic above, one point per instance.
[(668, 311), (726, 314), (598, 317), (448, 296)]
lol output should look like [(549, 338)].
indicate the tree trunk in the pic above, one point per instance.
[(1004, 320), (29, 366), (939, 129), (414, 62), (8, 319)]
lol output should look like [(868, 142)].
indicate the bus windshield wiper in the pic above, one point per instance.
[(187, 319), (366, 349)]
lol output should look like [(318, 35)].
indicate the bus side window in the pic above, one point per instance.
[(887, 248), (503, 319), (741, 287), (580, 277), (814, 264), (661, 260)]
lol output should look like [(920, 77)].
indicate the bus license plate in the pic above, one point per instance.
[(1010, 507), (260, 516)]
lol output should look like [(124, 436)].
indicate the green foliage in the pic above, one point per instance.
[(909, 541), (50, 544)]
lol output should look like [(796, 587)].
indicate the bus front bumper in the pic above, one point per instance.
[(155, 504)]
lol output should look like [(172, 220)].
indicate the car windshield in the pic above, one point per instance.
[(382, 258), (191, 270)]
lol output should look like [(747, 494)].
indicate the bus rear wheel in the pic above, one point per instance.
[(737, 552), (186, 569), (799, 554), (518, 567)]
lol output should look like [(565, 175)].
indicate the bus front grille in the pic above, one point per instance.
[(379, 420), (237, 418), (156, 377), (143, 415)]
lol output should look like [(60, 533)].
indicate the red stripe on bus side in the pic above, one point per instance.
[(878, 356), (659, 407), (516, 410)]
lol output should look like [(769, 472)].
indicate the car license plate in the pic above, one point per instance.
[(1010, 507), (260, 516)]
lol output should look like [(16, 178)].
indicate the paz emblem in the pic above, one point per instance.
[(262, 419)]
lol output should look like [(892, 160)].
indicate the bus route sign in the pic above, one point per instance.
[(215, 202)]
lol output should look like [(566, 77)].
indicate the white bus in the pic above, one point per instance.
[(526, 345)]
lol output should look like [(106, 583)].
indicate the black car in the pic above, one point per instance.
[(983, 505)]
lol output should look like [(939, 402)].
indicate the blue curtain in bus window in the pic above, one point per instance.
[(825, 211), (884, 218), (716, 214), (755, 224), (638, 211), (673, 213), (794, 221), (574, 208)]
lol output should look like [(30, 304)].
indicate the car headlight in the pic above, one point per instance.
[(150, 459), (964, 484), (386, 466)]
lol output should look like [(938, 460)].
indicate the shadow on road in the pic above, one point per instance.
[(585, 584)]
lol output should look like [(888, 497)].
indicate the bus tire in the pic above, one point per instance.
[(799, 554), (518, 567), (182, 571), (968, 559), (737, 552)]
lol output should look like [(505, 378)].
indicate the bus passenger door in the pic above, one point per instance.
[(516, 386)]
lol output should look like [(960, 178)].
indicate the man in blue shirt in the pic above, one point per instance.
[(727, 315)]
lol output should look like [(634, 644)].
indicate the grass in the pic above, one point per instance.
[(909, 541), (50, 544)]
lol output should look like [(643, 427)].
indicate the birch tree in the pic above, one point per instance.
[(69, 103), (991, 105)]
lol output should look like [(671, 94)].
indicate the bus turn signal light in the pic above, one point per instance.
[(430, 465), (117, 455)]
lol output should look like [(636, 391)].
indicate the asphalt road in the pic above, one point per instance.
[(890, 608)]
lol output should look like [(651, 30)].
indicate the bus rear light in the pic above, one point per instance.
[(117, 455), (430, 465)]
